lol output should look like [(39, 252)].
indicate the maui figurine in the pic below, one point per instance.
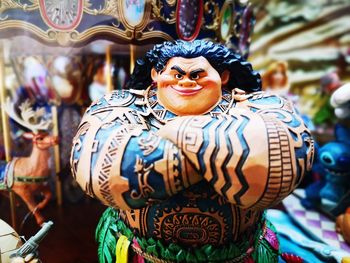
[(189, 157)]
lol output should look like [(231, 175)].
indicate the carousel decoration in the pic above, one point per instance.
[(28, 176), (128, 21)]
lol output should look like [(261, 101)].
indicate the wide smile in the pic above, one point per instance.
[(187, 91)]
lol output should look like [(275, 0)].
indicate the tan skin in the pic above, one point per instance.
[(189, 86)]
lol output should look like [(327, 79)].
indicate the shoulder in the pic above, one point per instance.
[(114, 99), (262, 100)]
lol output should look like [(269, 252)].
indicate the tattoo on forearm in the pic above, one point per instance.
[(254, 157)]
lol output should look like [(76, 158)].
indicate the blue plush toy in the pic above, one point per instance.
[(333, 165)]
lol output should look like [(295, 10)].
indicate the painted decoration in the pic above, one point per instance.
[(141, 22), (189, 18), (226, 20), (62, 14), (134, 11)]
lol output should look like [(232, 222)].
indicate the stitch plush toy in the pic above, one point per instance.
[(335, 157), (333, 164)]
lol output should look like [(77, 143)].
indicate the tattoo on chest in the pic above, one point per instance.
[(192, 218)]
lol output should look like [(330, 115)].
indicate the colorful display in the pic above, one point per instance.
[(190, 156)]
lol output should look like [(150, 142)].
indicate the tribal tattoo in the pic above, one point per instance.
[(119, 160), (254, 156), (191, 180)]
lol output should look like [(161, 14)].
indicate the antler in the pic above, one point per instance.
[(33, 120)]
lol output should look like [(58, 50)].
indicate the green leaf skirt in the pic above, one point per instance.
[(264, 248)]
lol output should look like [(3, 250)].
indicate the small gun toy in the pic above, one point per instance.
[(32, 244)]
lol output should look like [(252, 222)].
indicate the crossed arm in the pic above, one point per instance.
[(119, 160), (254, 157)]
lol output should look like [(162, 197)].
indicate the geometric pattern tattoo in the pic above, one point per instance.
[(191, 180)]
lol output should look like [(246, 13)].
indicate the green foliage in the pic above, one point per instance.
[(264, 253), (110, 227), (106, 236)]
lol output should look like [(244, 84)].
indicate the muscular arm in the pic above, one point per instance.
[(117, 159), (254, 156)]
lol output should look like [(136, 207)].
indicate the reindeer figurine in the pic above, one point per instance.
[(30, 174)]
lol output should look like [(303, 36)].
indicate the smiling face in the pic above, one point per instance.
[(189, 86)]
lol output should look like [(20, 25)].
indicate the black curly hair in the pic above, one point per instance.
[(220, 57)]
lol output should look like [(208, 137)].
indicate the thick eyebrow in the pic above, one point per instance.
[(178, 69), (196, 71)]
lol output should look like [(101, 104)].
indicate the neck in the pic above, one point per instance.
[(39, 155)]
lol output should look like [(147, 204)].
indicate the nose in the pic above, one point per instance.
[(187, 83)]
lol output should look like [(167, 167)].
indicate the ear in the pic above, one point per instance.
[(225, 76), (28, 135), (154, 75), (342, 133)]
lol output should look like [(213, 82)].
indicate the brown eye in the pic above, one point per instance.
[(195, 76), (179, 76)]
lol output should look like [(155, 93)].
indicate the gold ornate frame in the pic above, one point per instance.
[(141, 25), (50, 24), (227, 4)]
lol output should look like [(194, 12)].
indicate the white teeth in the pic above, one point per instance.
[(337, 173)]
